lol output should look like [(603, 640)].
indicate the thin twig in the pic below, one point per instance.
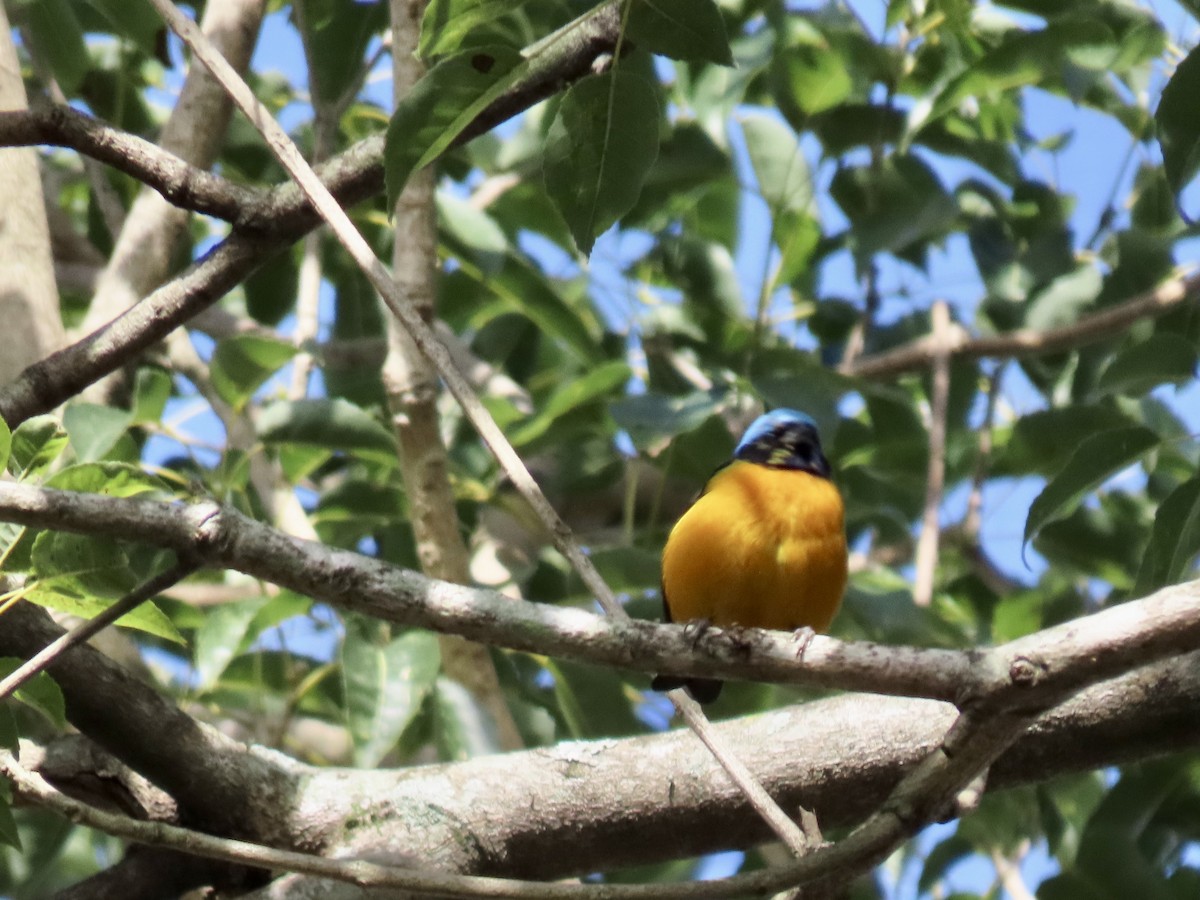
[(797, 840), (972, 521), (917, 355), (180, 570), (935, 479), (421, 333)]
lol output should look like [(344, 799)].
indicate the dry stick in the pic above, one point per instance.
[(85, 630), (411, 392), (421, 333), (927, 543), (916, 355)]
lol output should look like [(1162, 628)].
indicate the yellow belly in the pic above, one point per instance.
[(761, 547)]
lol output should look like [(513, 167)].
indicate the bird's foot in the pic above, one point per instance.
[(696, 629), (740, 638), (803, 637)]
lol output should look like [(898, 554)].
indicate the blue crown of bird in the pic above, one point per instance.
[(763, 546)]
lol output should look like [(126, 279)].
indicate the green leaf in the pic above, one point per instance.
[(650, 417), (36, 444), (941, 858), (524, 289), (386, 683), (893, 206), (571, 395), (1174, 540), (812, 77), (1177, 122), (8, 825), (462, 728), (222, 637), (339, 34), (691, 30), (6, 440), (441, 105), (41, 692), (151, 391), (599, 149), (1095, 461), (241, 364), (271, 289), (592, 700), (1043, 441), (58, 40), (1158, 359), (93, 430), (473, 231), (113, 479), (447, 22), (335, 424), (779, 164), (83, 575), (135, 19), (1065, 298)]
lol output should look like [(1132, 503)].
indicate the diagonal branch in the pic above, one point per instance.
[(959, 344), (179, 182)]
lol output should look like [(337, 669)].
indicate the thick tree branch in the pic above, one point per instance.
[(598, 803), (1041, 668), (89, 627), (219, 784)]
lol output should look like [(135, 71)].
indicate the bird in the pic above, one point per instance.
[(763, 546)]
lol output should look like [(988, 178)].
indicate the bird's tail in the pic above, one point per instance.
[(703, 690)]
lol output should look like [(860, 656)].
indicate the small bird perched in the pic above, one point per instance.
[(764, 546)]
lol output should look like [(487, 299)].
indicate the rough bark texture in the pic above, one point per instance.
[(412, 389), (28, 295), (145, 251), (604, 804)]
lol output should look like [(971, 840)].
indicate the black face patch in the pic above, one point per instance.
[(790, 445)]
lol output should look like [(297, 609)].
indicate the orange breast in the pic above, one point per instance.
[(762, 547)]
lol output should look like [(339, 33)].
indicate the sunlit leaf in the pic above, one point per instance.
[(36, 444), (40, 692), (241, 364), (337, 424), (221, 637), (447, 22)]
